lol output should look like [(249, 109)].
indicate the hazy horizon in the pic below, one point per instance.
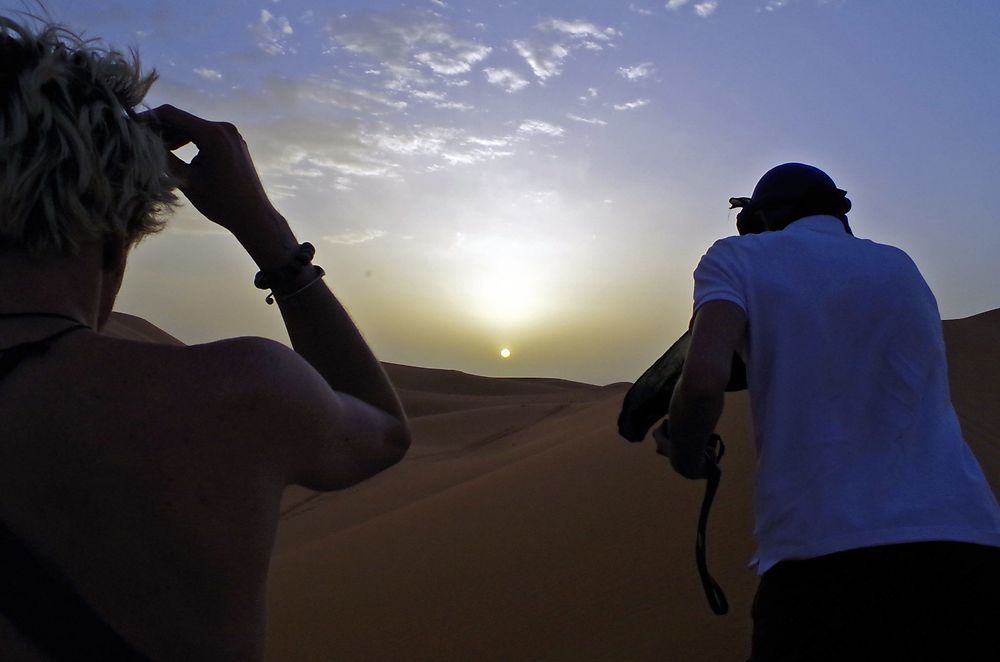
[(545, 176)]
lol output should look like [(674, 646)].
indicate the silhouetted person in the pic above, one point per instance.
[(878, 536), (140, 483)]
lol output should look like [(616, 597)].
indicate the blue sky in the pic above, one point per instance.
[(545, 175)]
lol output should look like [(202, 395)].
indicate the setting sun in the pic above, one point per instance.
[(505, 353)]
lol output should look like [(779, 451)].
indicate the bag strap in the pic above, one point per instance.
[(37, 599), (45, 607), (716, 598)]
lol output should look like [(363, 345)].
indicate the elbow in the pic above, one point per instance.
[(397, 442)]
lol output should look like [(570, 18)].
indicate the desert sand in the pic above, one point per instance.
[(521, 527)]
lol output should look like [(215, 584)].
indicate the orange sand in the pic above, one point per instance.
[(521, 527)]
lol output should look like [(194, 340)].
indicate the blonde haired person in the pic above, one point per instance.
[(141, 482)]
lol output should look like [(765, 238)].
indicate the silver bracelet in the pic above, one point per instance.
[(284, 297)]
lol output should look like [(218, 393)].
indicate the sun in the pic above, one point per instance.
[(504, 353)]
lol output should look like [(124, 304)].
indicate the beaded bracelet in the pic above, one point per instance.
[(279, 278)]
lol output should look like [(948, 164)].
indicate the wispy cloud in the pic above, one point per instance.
[(354, 237), (579, 29), (457, 61), (334, 93), (586, 120), (310, 154), (674, 5), (534, 127), (453, 105), (636, 71), (553, 40), (208, 74), (706, 9), (406, 42), (642, 11), (508, 79), (774, 5), (544, 59), (272, 33), (448, 146), (630, 105), (591, 93)]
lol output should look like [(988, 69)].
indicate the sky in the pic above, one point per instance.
[(544, 176)]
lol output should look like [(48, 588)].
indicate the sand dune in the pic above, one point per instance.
[(521, 527)]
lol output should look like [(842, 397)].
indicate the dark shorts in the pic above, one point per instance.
[(918, 601)]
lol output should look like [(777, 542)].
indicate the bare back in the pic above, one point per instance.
[(127, 466)]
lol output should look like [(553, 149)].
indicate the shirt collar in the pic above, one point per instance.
[(820, 223)]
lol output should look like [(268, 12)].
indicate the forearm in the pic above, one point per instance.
[(693, 417), (319, 327), (222, 183)]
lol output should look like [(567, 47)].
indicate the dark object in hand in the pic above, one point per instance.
[(649, 398)]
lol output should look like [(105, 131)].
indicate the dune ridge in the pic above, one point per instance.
[(521, 527)]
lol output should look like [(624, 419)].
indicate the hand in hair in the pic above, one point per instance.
[(222, 182)]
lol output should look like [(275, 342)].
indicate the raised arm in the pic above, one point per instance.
[(340, 431)]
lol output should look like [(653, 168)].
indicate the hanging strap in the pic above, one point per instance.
[(45, 607), (716, 598), (40, 601)]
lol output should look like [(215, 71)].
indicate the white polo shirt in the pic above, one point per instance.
[(857, 440)]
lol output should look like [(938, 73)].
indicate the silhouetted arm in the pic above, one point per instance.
[(339, 440), (699, 397)]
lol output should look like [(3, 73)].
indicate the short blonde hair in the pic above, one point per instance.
[(75, 165)]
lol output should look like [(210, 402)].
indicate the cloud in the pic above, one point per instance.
[(544, 59), (774, 5), (630, 105), (350, 238), (674, 5), (406, 41), (505, 78), (440, 3), (453, 105), (423, 142), (272, 32), (579, 29), (315, 153), (345, 167), (488, 142), (706, 9), (450, 64), (642, 11), (208, 74), (586, 120), (636, 71), (449, 146), (534, 127), (427, 95), (554, 39), (333, 93), (591, 93)]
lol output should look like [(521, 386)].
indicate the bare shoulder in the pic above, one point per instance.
[(321, 438), (248, 362)]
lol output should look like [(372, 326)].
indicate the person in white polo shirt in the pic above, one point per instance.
[(877, 533)]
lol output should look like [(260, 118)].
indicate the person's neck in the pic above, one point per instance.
[(75, 286)]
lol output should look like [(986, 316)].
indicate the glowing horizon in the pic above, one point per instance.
[(543, 177)]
